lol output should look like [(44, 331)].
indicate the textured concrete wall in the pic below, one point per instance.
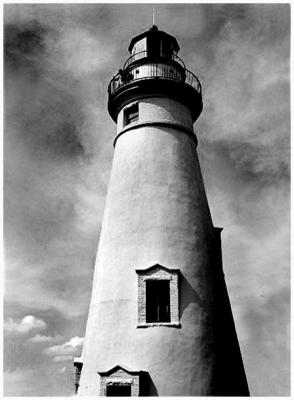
[(156, 212)]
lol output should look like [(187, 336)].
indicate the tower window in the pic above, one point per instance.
[(118, 390), (131, 114), (157, 301), (119, 381), (158, 296)]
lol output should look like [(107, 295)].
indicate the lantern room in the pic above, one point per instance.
[(154, 44)]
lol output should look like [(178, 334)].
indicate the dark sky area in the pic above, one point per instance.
[(59, 59)]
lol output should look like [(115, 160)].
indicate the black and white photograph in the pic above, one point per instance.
[(146, 202)]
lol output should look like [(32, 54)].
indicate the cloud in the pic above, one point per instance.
[(79, 53), (62, 358), (256, 259), (268, 327), (67, 350), (54, 130), (75, 341), (27, 324), (15, 382), (44, 339), (177, 14), (247, 69)]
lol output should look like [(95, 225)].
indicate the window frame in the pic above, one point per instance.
[(120, 376), (158, 272), (133, 111)]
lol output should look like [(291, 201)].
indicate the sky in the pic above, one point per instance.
[(58, 148)]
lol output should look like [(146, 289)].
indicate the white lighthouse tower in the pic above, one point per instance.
[(160, 321)]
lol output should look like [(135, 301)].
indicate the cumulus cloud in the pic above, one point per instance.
[(44, 339), (27, 324), (65, 351)]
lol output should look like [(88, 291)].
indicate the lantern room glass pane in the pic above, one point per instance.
[(140, 46)]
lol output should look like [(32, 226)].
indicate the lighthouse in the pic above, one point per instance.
[(160, 321)]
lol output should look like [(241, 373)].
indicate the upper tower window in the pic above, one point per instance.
[(131, 114)]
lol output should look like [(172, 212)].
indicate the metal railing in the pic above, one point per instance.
[(151, 71), (161, 56)]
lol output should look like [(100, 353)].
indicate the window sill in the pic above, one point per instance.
[(152, 324)]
